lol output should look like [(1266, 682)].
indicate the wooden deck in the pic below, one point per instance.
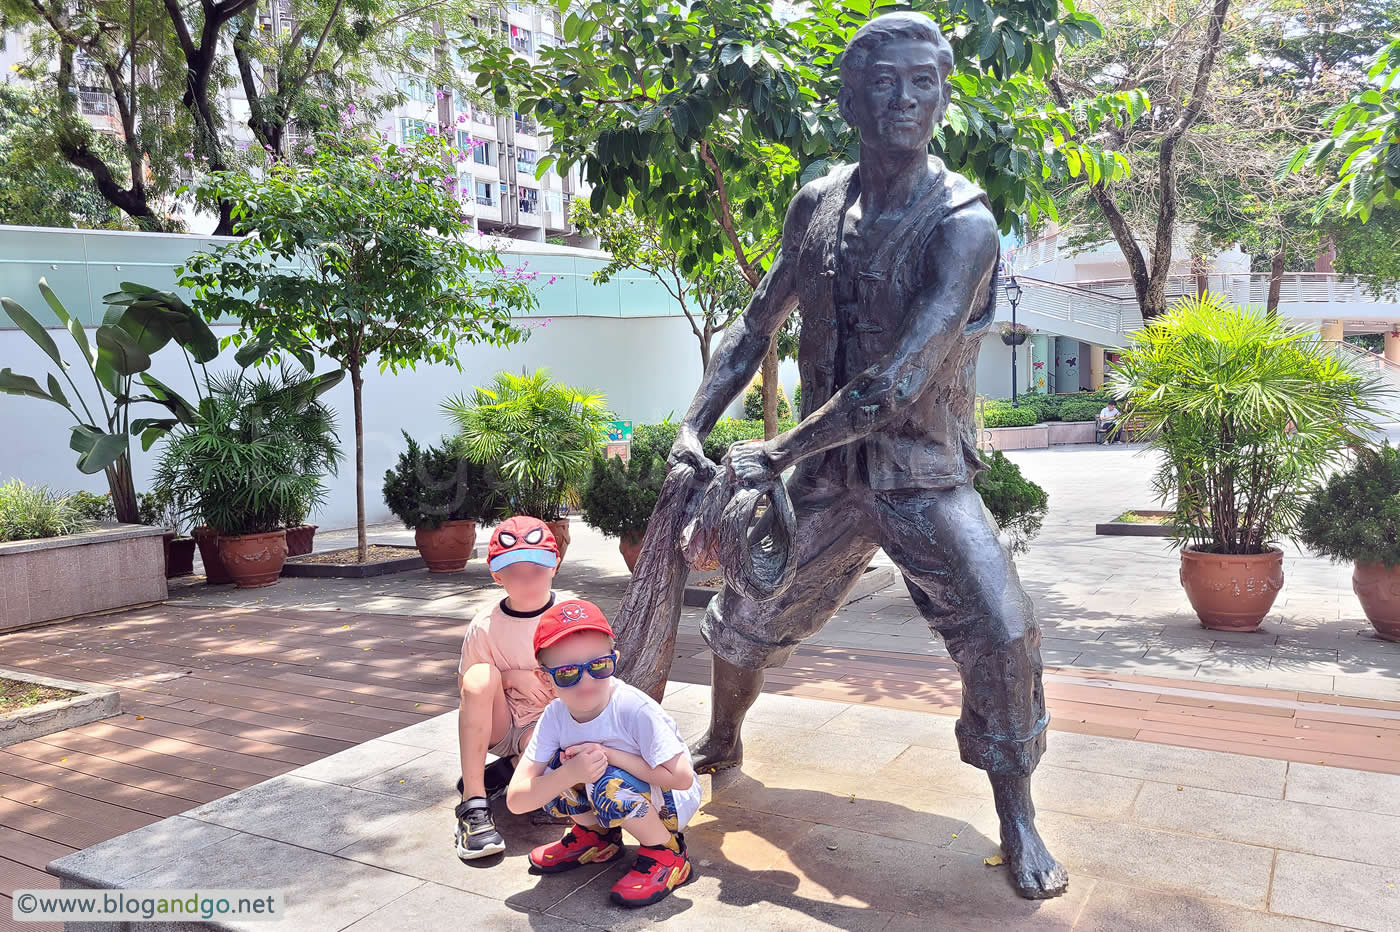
[(215, 700)]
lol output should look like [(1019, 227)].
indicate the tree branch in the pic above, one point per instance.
[(725, 216)]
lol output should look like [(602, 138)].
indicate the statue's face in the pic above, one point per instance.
[(900, 97)]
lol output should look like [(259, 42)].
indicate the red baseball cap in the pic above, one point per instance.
[(569, 617), (522, 539)]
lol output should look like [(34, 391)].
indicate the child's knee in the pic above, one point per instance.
[(618, 796), (479, 679)]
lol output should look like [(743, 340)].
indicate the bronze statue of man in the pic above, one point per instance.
[(893, 264)]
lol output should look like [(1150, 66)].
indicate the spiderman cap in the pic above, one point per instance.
[(522, 539)]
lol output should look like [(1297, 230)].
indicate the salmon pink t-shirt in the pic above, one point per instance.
[(505, 639)]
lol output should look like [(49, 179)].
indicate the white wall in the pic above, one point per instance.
[(647, 367), (994, 367)]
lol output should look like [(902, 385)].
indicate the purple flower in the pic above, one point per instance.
[(394, 175), (461, 118), (324, 107), (432, 130), (440, 94), (308, 150), (189, 155), (350, 109), (552, 279)]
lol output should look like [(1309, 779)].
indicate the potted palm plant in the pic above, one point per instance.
[(539, 435), (242, 479), (1249, 414), (1355, 516), (620, 497), (440, 495)]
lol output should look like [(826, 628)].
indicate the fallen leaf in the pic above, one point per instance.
[(853, 798), (1178, 789), (139, 717), (831, 847), (993, 861), (955, 834)]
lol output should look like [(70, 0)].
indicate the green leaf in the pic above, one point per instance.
[(33, 329), (255, 349), (56, 391), (12, 383), (98, 449), (121, 351), (729, 54), (751, 55), (70, 323)]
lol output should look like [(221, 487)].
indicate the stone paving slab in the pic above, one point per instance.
[(807, 835)]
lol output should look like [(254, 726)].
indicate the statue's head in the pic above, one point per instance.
[(894, 80)]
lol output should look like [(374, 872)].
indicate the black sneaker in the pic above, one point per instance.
[(476, 833), (497, 774)]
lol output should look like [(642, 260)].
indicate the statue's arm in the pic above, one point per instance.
[(966, 240), (745, 341)]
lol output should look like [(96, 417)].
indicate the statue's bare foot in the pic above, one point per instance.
[(716, 751), (1034, 871)]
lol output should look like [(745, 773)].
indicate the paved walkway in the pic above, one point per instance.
[(844, 817)]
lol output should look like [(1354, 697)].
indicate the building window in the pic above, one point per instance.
[(466, 186), (94, 101), (483, 194), (544, 40), (519, 7), (525, 160), (524, 124), (505, 28), (483, 154), (529, 200), (520, 39), (464, 140), (416, 89), (553, 203), (410, 130)]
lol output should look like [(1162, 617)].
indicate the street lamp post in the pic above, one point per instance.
[(1013, 294)]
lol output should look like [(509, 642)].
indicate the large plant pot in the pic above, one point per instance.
[(179, 556), (1378, 588), (214, 572), (631, 547), (300, 539), (254, 560), (447, 549), (561, 536), (1014, 339), (1231, 592)]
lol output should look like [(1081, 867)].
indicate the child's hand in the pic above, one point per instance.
[(527, 685), (585, 763)]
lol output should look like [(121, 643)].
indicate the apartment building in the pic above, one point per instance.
[(497, 185)]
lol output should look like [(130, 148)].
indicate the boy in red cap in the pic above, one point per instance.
[(498, 679), (607, 756)]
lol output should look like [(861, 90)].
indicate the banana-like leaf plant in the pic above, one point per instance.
[(139, 322)]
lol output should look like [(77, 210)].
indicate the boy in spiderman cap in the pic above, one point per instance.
[(607, 756), (498, 678)]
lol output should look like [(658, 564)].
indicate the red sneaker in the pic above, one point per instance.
[(657, 872), (578, 847)]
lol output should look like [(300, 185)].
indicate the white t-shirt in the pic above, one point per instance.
[(631, 722), (1109, 413)]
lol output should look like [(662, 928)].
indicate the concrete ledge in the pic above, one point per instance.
[(1134, 528), (115, 566), (91, 704), (1059, 432), (1035, 437)]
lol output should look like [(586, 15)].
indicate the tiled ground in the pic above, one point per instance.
[(843, 817)]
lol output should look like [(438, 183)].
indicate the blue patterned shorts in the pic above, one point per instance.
[(614, 798)]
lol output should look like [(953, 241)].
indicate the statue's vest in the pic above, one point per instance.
[(931, 445)]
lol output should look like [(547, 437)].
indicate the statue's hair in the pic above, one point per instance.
[(882, 29)]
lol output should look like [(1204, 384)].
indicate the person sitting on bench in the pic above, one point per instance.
[(1106, 421)]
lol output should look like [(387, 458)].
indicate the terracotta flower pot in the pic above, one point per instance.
[(631, 547), (179, 557), (214, 572), (254, 560), (447, 549), (1378, 588), (1231, 592), (561, 535), (300, 539)]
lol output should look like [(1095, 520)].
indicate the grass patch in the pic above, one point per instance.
[(1134, 517), (19, 694)]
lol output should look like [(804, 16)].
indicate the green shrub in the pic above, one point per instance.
[(1047, 407), (797, 400), (433, 485), (655, 439), (1355, 516), (620, 497), (28, 512), (1018, 504), (1077, 410), (730, 431), (753, 403), (93, 507), (229, 471), (1003, 415)]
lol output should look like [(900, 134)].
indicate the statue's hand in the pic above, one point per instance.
[(689, 450), (750, 462)]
